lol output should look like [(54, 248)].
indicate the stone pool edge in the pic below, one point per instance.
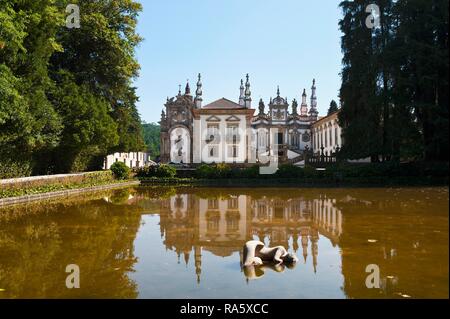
[(64, 193)]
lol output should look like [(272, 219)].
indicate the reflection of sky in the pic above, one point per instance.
[(158, 274)]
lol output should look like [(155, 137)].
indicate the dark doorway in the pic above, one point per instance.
[(279, 138)]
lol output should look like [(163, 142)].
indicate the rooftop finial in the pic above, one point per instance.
[(199, 86), (187, 90), (313, 110), (278, 91), (247, 87), (248, 93), (242, 93), (199, 92)]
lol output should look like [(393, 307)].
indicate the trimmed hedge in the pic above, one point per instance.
[(14, 169), (57, 184), (161, 171), (334, 172), (215, 171)]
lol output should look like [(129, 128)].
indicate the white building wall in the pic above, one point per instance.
[(132, 159), (222, 155), (180, 141), (328, 135)]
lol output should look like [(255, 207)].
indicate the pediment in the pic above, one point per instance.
[(233, 118), (213, 118)]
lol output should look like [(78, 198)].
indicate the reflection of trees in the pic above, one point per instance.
[(409, 233), (96, 235)]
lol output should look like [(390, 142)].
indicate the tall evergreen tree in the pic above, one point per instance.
[(360, 113), (406, 78), (422, 43), (333, 107)]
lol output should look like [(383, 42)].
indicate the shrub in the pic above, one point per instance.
[(221, 170), (162, 171), (289, 171), (165, 170), (120, 170), (204, 171), (14, 168), (250, 172), (310, 172), (142, 171)]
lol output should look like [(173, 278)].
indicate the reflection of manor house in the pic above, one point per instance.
[(225, 131), (223, 225)]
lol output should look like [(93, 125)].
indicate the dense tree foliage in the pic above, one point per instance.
[(333, 107), (394, 90), (151, 132), (66, 95)]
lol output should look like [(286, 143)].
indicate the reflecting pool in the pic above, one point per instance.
[(163, 242)]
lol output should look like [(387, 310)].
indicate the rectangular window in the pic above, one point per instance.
[(213, 133), (232, 134), (233, 151)]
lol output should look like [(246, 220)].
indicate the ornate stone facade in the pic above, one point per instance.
[(177, 128), (229, 132), (290, 131)]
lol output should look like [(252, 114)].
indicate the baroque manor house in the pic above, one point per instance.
[(228, 132)]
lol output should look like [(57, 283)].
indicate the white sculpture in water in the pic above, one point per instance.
[(256, 253)]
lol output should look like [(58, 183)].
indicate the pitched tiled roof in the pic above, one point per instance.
[(223, 103)]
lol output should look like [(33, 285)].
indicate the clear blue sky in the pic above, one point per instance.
[(283, 42)]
